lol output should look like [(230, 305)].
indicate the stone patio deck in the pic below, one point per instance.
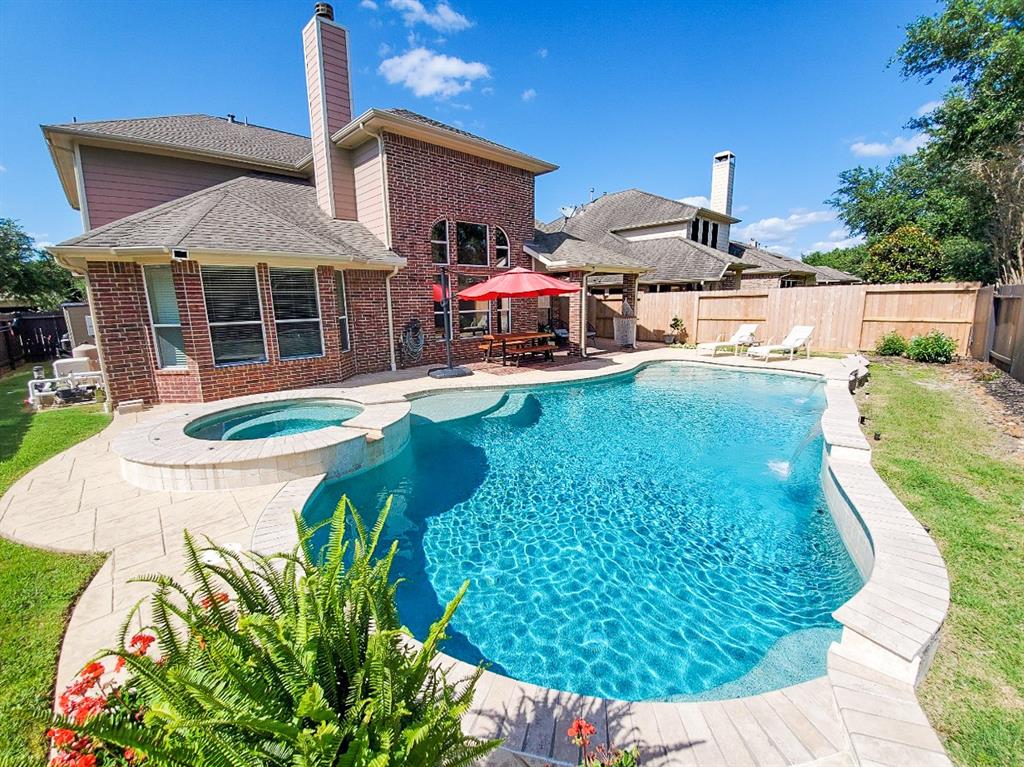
[(863, 712)]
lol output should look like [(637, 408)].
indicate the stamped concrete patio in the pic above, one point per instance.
[(863, 712)]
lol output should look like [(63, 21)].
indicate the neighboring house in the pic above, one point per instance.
[(682, 246), (225, 258)]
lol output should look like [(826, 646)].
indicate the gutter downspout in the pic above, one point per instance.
[(387, 239)]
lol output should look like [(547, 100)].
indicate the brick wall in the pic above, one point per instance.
[(122, 319), (427, 183), (758, 281)]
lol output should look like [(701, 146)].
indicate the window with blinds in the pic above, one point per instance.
[(339, 286), (163, 315), (296, 312), (233, 312)]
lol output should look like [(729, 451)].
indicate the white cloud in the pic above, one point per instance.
[(427, 73), (368, 5), (778, 231), (443, 18), (487, 90), (898, 145), (384, 49), (542, 52), (3, 168), (698, 199), (529, 94), (924, 109), (837, 238)]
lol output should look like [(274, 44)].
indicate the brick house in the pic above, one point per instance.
[(225, 258)]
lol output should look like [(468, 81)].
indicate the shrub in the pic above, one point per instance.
[(892, 344), (907, 255), (291, 659), (968, 260), (932, 347)]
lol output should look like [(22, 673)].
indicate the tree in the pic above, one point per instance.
[(968, 260), (907, 255), (981, 44), (849, 260), (31, 275)]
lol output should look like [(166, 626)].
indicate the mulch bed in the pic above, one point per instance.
[(1005, 395)]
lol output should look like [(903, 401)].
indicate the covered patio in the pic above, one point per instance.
[(561, 253)]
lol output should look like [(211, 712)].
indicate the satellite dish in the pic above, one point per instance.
[(567, 210)]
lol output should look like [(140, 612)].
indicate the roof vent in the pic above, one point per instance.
[(231, 118), (325, 10), (179, 254)]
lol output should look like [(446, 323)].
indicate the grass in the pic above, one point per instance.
[(37, 588), (946, 464)]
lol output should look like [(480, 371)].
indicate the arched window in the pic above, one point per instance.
[(501, 248), (439, 242)]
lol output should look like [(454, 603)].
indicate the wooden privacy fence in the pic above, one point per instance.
[(999, 328), (846, 318)]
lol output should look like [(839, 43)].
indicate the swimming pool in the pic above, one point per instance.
[(272, 419), (656, 536)]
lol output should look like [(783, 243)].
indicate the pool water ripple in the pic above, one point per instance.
[(627, 538)]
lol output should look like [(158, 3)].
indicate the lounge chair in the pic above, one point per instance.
[(744, 336), (798, 338)]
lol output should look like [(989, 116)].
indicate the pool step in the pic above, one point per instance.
[(521, 408), (441, 408)]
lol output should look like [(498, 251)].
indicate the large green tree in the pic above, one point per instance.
[(31, 275), (965, 186)]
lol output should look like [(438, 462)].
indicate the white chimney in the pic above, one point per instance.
[(325, 45), (723, 168)]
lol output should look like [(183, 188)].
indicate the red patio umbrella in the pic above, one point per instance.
[(517, 283)]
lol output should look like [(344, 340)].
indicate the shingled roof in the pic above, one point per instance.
[(668, 259), (252, 214), (769, 263), (568, 252), (201, 134)]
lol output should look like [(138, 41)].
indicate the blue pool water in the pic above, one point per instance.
[(271, 419), (657, 536)]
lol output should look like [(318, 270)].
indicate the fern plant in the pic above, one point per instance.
[(293, 659)]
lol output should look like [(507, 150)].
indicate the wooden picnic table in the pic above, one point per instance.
[(515, 346)]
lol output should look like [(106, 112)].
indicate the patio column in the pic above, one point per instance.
[(577, 335), (629, 289)]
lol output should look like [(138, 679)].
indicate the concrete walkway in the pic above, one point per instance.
[(78, 502)]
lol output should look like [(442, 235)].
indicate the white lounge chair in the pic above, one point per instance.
[(799, 338), (744, 336)]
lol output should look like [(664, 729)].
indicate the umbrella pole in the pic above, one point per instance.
[(449, 371)]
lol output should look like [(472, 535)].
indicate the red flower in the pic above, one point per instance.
[(94, 669), (140, 643), (86, 760), (580, 732), (119, 665), (89, 706), (221, 598), (60, 736), (133, 756)]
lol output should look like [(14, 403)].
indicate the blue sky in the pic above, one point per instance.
[(623, 94)]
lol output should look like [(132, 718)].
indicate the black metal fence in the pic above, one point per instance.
[(30, 337)]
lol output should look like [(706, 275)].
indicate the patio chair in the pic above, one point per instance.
[(798, 338), (744, 336), (561, 330)]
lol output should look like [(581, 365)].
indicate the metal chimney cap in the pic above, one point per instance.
[(325, 10)]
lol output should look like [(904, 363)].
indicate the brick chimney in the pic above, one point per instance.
[(723, 168), (325, 44)]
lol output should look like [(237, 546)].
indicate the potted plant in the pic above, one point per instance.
[(678, 329)]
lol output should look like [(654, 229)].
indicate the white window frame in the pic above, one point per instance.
[(210, 325), (154, 325), (447, 242), (459, 311), (499, 310), (498, 248), (319, 316), (346, 337), (487, 245)]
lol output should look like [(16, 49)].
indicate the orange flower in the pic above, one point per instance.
[(60, 736), (580, 732), (140, 643), (221, 598)]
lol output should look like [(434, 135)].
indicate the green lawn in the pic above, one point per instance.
[(948, 466), (37, 588)]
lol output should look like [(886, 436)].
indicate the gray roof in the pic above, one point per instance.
[(775, 263), (669, 259), (203, 134), (251, 214), (768, 262), (417, 117), (562, 247)]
